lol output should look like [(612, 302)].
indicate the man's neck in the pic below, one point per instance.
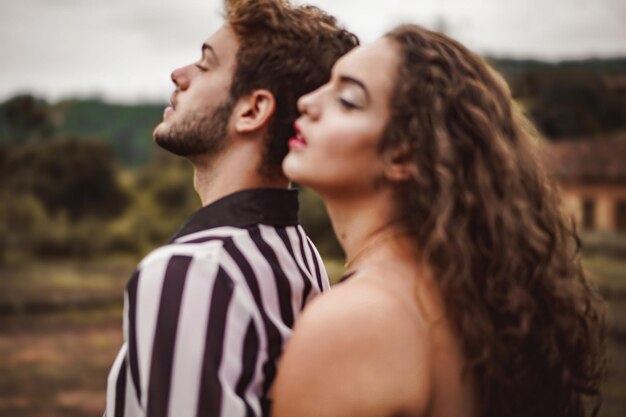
[(234, 170)]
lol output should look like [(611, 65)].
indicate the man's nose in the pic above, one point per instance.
[(180, 78)]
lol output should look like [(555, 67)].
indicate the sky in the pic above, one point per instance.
[(124, 50)]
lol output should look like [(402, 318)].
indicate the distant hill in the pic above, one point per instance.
[(583, 99), (128, 128), (512, 68)]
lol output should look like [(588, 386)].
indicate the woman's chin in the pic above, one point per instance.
[(291, 168)]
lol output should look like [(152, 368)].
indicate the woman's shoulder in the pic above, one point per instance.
[(363, 301), (390, 294), (357, 338), (359, 319)]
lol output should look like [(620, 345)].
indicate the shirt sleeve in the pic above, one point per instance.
[(121, 397), (116, 384), (192, 346)]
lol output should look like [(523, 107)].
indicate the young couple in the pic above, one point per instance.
[(463, 295)]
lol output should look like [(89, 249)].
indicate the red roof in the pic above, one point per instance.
[(588, 161)]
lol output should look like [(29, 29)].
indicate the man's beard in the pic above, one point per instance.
[(197, 134)]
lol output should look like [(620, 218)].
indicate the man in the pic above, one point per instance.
[(206, 316)]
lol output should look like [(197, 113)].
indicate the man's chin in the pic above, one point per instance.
[(178, 145), (172, 146), (195, 135), (163, 137), (159, 131)]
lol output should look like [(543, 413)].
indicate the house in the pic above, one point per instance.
[(592, 178)]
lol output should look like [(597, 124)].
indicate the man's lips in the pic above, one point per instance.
[(168, 110), (171, 108)]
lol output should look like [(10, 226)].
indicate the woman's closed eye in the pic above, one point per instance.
[(347, 104), (351, 97)]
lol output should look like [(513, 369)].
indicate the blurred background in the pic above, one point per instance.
[(84, 193)]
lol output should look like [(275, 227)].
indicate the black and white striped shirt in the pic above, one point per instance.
[(206, 316)]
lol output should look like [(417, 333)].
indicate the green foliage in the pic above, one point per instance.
[(512, 68), (22, 220), (64, 195), (67, 198), (128, 129), (24, 118), (571, 102), (315, 222), (76, 176), (169, 182), (569, 99), (27, 229), (58, 197), (163, 198)]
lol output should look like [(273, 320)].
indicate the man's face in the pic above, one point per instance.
[(197, 121)]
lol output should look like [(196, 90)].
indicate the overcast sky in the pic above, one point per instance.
[(124, 50)]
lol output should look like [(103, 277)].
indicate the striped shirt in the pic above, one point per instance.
[(206, 316)]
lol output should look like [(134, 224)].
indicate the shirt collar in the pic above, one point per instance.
[(271, 206)]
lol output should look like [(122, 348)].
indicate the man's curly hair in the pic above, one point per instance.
[(489, 226), (287, 50)]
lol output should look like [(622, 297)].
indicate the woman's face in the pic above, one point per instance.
[(336, 149)]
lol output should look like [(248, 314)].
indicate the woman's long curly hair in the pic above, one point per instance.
[(489, 227)]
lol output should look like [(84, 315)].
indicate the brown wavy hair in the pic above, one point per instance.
[(288, 50), (489, 226)]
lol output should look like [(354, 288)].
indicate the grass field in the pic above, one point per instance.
[(56, 365), (55, 356), (64, 284), (60, 328)]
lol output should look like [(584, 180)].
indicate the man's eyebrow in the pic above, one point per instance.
[(207, 47), (349, 80)]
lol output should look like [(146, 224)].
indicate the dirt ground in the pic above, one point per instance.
[(55, 363)]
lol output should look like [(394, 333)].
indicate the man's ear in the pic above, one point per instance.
[(399, 164), (254, 111)]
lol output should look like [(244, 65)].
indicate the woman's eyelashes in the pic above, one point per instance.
[(350, 99), (347, 104)]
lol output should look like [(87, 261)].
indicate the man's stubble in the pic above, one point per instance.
[(197, 134)]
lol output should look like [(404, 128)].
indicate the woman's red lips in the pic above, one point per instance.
[(297, 141)]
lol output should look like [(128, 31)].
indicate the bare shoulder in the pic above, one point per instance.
[(354, 351), (361, 305)]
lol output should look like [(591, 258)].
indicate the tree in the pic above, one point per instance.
[(570, 102), (70, 174), (24, 118), (315, 221)]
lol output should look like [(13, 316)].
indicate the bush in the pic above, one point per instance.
[(72, 175), (317, 225)]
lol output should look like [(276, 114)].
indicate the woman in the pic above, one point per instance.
[(464, 296)]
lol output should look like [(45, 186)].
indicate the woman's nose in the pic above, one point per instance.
[(308, 104)]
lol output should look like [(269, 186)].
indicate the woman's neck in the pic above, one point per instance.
[(364, 225)]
